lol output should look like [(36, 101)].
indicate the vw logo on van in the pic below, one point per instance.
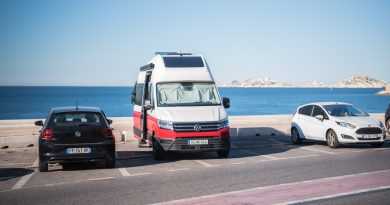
[(197, 127), (77, 134)]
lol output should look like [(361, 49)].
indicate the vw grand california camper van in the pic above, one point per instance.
[(177, 106)]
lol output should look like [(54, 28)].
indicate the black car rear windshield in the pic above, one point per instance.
[(76, 119), (182, 62)]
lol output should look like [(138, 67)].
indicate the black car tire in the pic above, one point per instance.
[(332, 140), (295, 139), (158, 151), (110, 163), (43, 165), (223, 153), (377, 145)]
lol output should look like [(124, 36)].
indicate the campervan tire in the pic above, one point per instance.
[(158, 151)]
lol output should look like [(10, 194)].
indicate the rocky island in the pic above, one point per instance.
[(355, 81)]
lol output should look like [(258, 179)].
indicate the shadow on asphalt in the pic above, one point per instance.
[(354, 146), (10, 173), (250, 139), (82, 166)]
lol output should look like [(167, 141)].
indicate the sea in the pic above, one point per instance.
[(34, 102)]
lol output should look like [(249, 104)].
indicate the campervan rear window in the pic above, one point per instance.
[(183, 61)]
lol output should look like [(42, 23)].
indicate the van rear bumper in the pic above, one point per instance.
[(182, 144)]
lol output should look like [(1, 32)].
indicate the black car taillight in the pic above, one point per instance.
[(107, 132), (47, 134)]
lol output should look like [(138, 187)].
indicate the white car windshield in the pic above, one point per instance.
[(187, 94), (344, 110)]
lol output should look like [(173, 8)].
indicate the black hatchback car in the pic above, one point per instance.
[(76, 134)]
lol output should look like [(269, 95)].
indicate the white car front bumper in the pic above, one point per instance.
[(361, 135)]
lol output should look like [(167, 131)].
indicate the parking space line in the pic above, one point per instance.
[(316, 150), (122, 170), (358, 150), (25, 178), (381, 149), (235, 163), (284, 158), (140, 174), (270, 157), (205, 164), (98, 179), (276, 141), (176, 170), (256, 154)]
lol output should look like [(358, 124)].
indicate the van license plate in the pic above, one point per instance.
[(198, 142), (82, 150)]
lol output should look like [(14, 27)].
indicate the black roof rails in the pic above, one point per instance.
[(146, 67)]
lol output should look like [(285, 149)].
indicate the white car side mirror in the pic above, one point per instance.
[(319, 117)]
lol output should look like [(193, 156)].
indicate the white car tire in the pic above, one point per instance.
[(295, 139), (332, 140)]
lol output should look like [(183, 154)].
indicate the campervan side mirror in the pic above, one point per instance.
[(109, 121), (226, 102), (132, 98), (147, 105), (39, 123)]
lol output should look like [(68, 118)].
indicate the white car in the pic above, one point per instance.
[(336, 123)]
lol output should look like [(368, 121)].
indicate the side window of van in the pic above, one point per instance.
[(306, 110), (138, 95)]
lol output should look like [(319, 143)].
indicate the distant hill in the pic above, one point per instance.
[(258, 82), (355, 81), (361, 81)]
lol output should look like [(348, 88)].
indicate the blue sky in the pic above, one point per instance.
[(105, 42)]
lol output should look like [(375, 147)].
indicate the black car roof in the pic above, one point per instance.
[(75, 109)]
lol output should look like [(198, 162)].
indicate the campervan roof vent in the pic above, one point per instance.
[(172, 53)]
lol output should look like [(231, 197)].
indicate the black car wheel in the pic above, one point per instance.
[(43, 165), (110, 163), (295, 136), (158, 151), (331, 139)]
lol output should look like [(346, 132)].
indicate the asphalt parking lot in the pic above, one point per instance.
[(18, 166)]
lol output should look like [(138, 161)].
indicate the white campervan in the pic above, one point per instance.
[(177, 106)]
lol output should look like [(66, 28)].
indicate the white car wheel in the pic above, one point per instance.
[(331, 139), (295, 136)]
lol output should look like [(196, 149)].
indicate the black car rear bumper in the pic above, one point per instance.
[(56, 153)]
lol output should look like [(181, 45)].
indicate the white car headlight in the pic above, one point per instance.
[(223, 123), (381, 125), (346, 124), (168, 125)]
